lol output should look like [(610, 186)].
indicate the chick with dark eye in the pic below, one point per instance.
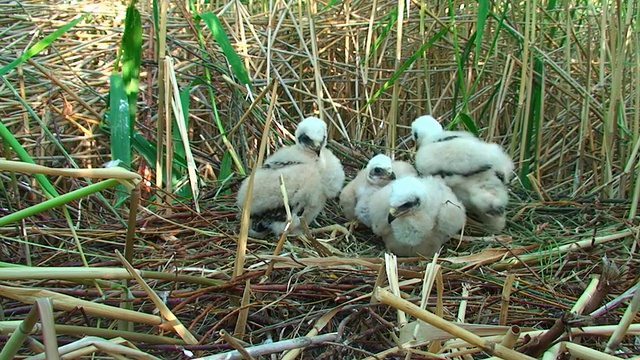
[(380, 170), (476, 171), (311, 174), (400, 210), (416, 216)]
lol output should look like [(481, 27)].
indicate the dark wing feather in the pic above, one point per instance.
[(260, 221), (445, 173)]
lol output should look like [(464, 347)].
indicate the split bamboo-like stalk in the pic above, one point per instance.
[(492, 348)]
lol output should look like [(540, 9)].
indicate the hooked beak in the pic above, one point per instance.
[(392, 176), (314, 146), (317, 148), (393, 212)]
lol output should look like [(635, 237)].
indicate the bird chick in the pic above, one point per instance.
[(478, 172), (416, 215), (380, 170), (310, 173), (377, 173)]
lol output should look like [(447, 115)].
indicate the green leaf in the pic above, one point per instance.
[(120, 139), (41, 45), (23, 155), (131, 57), (468, 122), (406, 64), (388, 20), (119, 121), (214, 25), (329, 4), (483, 11), (225, 166)]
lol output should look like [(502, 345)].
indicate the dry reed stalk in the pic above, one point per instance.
[(238, 268), (161, 125), (391, 266), (492, 348), (523, 259), (166, 313), (7, 327), (68, 303), (235, 343), (625, 322), (583, 352), (504, 300), (275, 347), (243, 315), (92, 344)]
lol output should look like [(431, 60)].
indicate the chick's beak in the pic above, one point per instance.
[(392, 176), (392, 215), (317, 148)]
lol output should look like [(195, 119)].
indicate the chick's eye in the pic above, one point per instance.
[(378, 171), (500, 176)]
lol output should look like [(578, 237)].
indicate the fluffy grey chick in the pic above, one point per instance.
[(303, 167), (380, 170), (416, 215), (478, 172)]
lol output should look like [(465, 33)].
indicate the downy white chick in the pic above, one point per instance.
[(310, 172), (477, 172), (416, 215), (380, 170)]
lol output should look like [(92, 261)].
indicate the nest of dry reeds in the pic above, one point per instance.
[(559, 281)]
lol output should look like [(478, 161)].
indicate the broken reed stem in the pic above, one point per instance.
[(585, 353), (511, 337), (626, 320), (40, 307), (436, 346), (164, 310), (236, 345), (509, 340), (586, 296), (504, 301), (391, 265), (274, 348), (583, 244), (243, 314), (396, 302)]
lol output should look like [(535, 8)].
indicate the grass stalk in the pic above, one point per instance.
[(39, 310), (627, 319), (397, 302), (166, 313), (238, 268), (160, 122)]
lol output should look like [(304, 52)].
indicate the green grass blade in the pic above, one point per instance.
[(329, 4), (535, 117), (23, 155), (212, 99), (121, 128), (119, 121), (225, 166), (214, 25), (57, 201), (468, 122), (389, 21), (481, 18), (131, 57), (41, 45), (406, 64)]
